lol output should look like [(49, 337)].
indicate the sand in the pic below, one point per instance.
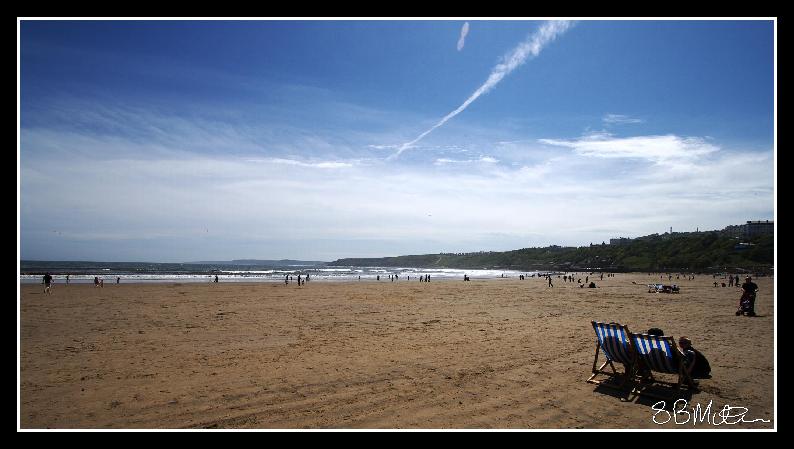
[(485, 354)]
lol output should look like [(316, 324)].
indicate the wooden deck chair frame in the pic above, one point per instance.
[(659, 353), (613, 339)]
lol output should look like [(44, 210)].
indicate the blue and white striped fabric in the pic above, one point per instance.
[(658, 352), (614, 341)]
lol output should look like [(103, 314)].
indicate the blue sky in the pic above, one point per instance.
[(209, 140)]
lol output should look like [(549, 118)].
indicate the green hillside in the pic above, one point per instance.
[(696, 252)]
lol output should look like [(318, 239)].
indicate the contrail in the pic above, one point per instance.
[(530, 47), (463, 32)]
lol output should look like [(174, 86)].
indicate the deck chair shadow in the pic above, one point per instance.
[(613, 340), (658, 353)]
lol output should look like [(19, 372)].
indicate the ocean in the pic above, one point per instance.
[(136, 272)]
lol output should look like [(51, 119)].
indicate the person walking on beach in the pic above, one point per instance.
[(286, 280), (749, 289), (47, 281), (216, 279), (299, 280), (67, 279), (550, 284), (118, 279), (96, 281)]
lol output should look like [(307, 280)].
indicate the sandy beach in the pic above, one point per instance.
[(486, 354)]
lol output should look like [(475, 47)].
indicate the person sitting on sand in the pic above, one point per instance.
[(696, 363)]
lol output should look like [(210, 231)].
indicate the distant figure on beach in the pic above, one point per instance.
[(427, 278), (299, 280), (377, 278), (715, 283), (592, 285), (96, 281), (47, 281), (67, 279), (696, 363), (286, 279), (466, 277), (747, 301), (118, 279), (101, 283), (550, 284), (216, 279)]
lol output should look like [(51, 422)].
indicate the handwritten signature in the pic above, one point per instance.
[(699, 414)]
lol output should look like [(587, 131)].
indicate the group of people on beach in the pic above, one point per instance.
[(301, 281), (48, 280)]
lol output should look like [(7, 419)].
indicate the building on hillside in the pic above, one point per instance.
[(753, 228), (750, 229)]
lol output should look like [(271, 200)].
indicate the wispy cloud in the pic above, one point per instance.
[(310, 164), (463, 32), (668, 149), (531, 47), (620, 119), (480, 160), (223, 202)]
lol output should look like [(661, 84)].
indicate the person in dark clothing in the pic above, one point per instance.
[(47, 281), (696, 363), (747, 301)]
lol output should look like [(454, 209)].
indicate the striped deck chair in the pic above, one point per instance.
[(660, 354), (613, 340)]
